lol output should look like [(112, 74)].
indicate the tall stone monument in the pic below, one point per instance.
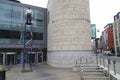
[(68, 31)]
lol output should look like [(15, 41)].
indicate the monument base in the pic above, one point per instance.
[(65, 59)]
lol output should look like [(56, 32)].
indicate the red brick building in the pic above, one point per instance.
[(110, 38), (107, 38)]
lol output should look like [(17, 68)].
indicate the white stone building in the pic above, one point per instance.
[(116, 32)]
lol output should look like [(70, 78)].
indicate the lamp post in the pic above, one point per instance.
[(95, 39), (96, 46)]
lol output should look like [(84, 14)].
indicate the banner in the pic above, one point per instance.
[(93, 31)]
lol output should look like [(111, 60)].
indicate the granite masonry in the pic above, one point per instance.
[(68, 31)]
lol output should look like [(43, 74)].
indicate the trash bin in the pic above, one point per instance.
[(2, 73)]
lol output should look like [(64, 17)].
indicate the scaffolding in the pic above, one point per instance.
[(28, 42)]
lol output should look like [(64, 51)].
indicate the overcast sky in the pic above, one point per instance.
[(101, 11)]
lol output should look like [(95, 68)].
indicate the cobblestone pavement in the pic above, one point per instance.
[(42, 72)]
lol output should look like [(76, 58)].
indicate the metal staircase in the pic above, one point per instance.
[(89, 69)]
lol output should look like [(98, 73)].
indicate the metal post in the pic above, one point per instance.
[(109, 68), (42, 56), (96, 46), (36, 58), (114, 67), (4, 54), (100, 61), (80, 68), (86, 61), (6, 59), (108, 65), (14, 59), (103, 62)]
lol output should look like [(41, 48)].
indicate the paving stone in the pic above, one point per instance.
[(42, 72)]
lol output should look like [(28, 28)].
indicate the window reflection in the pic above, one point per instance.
[(5, 25), (39, 17), (17, 14), (5, 13), (12, 20)]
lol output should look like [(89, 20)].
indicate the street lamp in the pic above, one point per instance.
[(96, 45)]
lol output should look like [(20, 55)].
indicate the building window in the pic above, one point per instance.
[(116, 43), (9, 34), (17, 14), (39, 15), (5, 12), (118, 50), (39, 18), (37, 36), (116, 36), (39, 22)]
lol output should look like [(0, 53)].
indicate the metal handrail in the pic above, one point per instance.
[(112, 60), (92, 68)]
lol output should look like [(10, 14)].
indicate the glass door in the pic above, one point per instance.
[(11, 58)]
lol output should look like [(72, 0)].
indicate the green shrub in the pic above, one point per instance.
[(2, 69)]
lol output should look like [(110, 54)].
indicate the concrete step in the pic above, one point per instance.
[(85, 72), (93, 68), (90, 70), (90, 65), (95, 78), (94, 74)]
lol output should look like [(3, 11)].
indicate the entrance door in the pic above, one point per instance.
[(40, 57), (10, 58)]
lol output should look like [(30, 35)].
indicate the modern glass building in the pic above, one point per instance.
[(12, 23)]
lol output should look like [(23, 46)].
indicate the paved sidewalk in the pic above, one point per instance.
[(42, 72)]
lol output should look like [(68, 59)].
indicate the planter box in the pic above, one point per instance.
[(2, 75)]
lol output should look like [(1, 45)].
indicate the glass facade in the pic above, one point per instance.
[(12, 20), (12, 23)]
